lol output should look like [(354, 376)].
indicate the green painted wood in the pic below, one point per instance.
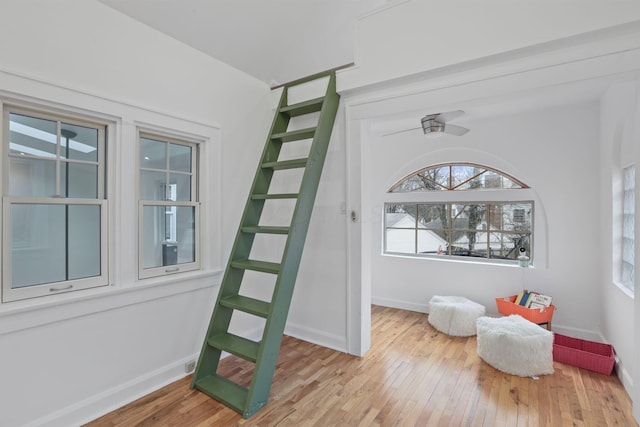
[(248, 305), (250, 264), (286, 164), (272, 336), (218, 339), (265, 229), (305, 107), (274, 196), (223, 390), (294, 135), (221, 317), (235, 345)]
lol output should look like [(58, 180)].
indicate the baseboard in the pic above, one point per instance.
[(624, 376), (403, 305), (577, 333), (100, 404), (315, 336)]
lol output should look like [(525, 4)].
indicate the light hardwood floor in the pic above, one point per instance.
[(412, 376)]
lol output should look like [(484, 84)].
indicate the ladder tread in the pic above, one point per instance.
[(294, 135), (224, 390), (263, 352), (246, 304), (265, 229), (274, 196), (286, 164), (238, 346), (263, 266), (304, 107)]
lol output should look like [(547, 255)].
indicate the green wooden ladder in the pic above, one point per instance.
[(264, 353)]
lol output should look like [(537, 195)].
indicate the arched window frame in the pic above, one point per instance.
[(491, 239)]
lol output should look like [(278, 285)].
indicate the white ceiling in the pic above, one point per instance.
[(275, 41)]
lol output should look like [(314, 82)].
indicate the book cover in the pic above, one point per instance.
[(541, 299), (519, 297), (539, 306), (525, 298)]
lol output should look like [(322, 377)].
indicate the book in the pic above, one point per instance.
[(529, 299), (541, 300), (535, 305), (525, 298), (519, 297)]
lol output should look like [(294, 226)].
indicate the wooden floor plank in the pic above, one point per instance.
[(413, 375)]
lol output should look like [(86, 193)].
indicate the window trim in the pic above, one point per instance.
[(196, 145), (627, 286), (104, 128), (455, 195), (457, 187), (446, 256)]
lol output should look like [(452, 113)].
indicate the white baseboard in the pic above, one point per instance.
[(314, 336), (583, 334), (95, 406), (403, 305), (624, 376)]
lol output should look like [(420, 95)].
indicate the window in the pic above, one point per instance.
[(169, 209), (54, 204), (628, 230), (459, 176), (440, 222)]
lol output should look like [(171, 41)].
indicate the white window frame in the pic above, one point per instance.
[(627, 240), (54, 288), (145, 273), (453, 195)]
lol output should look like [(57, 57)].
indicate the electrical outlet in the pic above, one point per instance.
[(190, 366)]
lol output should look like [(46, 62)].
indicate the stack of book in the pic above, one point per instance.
[(533, 299)]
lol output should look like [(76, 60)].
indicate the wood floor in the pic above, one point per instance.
[(412, 376)]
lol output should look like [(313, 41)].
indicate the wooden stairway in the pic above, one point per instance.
[(264, 353)]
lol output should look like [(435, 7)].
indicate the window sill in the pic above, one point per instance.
[(628, 292), (20, 315), (459, 260)]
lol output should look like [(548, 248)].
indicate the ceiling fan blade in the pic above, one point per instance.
[(449, 115), (400, 131), (455, 130)]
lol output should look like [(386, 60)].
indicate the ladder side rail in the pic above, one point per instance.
[(274, 327), (208, 362)]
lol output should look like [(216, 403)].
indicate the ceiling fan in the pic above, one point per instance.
[(437, 124)]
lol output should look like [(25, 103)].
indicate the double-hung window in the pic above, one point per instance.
[(54, 204), (168, 207)]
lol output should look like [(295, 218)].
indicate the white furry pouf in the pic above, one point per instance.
[(515, 345), (454, 315)]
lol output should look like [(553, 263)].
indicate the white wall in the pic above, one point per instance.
[(436, 35), (78, 52), (69, 358), (619, 135), (566, 211), (318, 309), (461, 55)]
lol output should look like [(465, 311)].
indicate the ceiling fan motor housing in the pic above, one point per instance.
[(430, 125)]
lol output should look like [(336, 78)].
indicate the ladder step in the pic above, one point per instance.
[(294, 135), (224, 390), (265, 229), (263, 266), (263, 352), (287, 164), (246, 304), (274, 196), (235, 345), (305, 107)]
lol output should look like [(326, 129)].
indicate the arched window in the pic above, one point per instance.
[(455, 176), (489, 221)]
